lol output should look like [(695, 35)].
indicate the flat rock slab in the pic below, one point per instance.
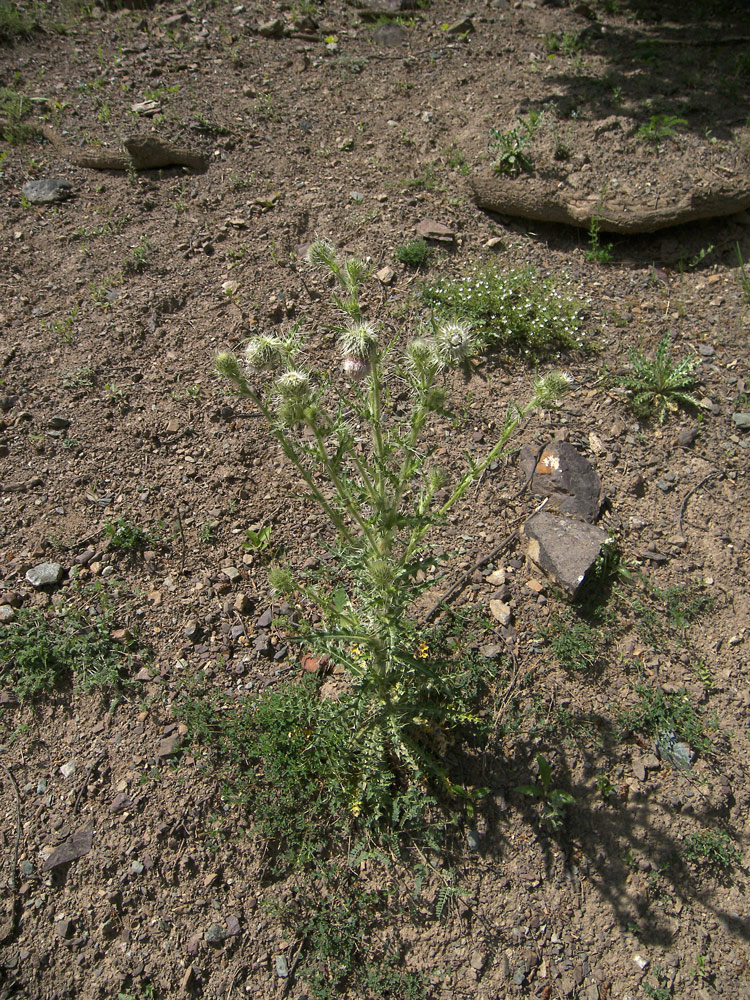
[(563, 474), (46, 574), (47, 192), (564, 548), (77, 844)]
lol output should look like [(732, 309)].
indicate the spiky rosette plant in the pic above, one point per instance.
[(660, 385), (382, 494)]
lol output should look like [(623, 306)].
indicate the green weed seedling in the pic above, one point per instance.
[(124, 536), (554, 801), (364, 464), (137, 260), (659, 385), (711, 850), (257, 541), (660, 990), (415, 254), (598, 252), (658, 128), (509, 148)]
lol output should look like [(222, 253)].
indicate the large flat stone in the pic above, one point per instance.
[(564, 548)]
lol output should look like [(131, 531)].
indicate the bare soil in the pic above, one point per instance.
[(112, 305)]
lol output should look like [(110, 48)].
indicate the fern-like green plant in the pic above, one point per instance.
[(660, 385)]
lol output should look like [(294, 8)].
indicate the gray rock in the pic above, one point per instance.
[(462, 27), (742, 421), (563, 474), (47, 192), (169, 746), (7, 614), (215, 934), (282, 967), (428, 229), (272, 29), (46, 574), (565, 549)]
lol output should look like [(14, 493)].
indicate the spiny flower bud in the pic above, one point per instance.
[(358, 341), (322, 256), (455, 341), (422, 355), (264, 352), (281, 580), (551, 388), (226, 364), (382, 572)]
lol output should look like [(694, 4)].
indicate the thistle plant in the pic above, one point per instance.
[(369, 471), (660, 386)]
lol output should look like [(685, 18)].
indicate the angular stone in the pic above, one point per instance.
[(428, 229), (566, 477), (77, 844), (565, 549), (741, 421), (46, 574), (7, 614), (501, 612), (170, 745)]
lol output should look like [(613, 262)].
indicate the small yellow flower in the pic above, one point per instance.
[(423, 651)]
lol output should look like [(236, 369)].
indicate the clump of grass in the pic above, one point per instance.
[(659, 385), (16, 21), (42, 651), (575, 643), (14, 108), (517, 309), (415, 254), (667, 717)]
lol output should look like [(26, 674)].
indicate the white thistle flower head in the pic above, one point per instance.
[(359, 340), (355, 368), (294, 386), (264, 353), (455, 341)]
